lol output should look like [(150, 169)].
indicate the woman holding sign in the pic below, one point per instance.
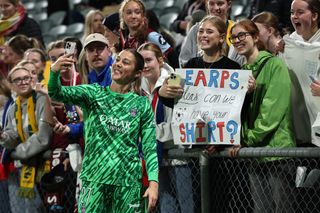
[(266, 119), (211, 40)]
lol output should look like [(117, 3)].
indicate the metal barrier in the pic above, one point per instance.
[(257, 180), (249, 183)]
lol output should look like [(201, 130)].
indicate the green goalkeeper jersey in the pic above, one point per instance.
[(113, 124)]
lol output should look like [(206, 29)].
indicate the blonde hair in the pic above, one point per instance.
[(24, 62), (123, 25), (83, 67), (14, 69), (222, 29), (88, 23)]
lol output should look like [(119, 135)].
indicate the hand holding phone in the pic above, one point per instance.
[(70, 47), (174, 79)]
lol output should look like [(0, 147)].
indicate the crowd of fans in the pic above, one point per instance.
[(111, 97)]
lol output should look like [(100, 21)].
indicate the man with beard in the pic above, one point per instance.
[(98, 55)]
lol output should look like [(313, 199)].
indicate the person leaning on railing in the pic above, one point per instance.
[(266, 119)]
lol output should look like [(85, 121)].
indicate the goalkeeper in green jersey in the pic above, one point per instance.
[(115, 118)]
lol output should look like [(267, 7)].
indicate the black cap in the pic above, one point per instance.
[(112, 22)]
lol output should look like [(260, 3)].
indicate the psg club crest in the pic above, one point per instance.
[(133, 112)]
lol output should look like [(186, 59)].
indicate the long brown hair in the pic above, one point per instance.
[(20, 43), (268, 20), (43, 56), (139, 65)]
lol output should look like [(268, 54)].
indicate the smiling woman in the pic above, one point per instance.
[(266, 116), (21, 78), (305, 18), (14, 20), (31, 67), (301, 50), (135, 31), (26, 137), (117, 118), (211, 41)]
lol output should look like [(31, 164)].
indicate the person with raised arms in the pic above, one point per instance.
[(115, 117)]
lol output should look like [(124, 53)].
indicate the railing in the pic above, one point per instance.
[(231, 184), (258, 180)]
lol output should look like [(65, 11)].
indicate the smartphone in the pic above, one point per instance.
[(313, 79), (70, 47), (174, 79)]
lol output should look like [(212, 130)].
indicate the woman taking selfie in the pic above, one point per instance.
[(115, 118)]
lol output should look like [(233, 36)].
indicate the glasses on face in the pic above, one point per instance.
[(22, 79), (99, 48), (241, 36)]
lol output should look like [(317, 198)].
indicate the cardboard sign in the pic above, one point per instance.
[(209, 110)]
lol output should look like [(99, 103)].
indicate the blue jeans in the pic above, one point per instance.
[(175, 189)]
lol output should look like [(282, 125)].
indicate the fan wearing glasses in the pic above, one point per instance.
[(266, 118), (26, 136)]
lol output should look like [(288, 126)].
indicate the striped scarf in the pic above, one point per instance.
[(9, 25), (28, 173)]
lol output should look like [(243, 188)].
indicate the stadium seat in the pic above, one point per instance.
[(172, 9), (57, 32), (56, 18), (48, 38), (40, 17), (180, 3), (164, 4), (166, 19), (41, 6), (29, 6), (45, 25), (75, 29), (150, 4)]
